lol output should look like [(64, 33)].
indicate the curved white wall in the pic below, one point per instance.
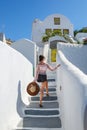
[(76, 54), (27, 48), (72, 92), (15, 73)]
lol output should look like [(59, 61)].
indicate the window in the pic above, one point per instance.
[(65, 31), (57, 21), (57, 32), (48, 31)]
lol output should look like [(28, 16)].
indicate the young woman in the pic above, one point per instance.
[(41, 76)]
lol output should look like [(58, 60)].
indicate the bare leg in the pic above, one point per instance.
[(42, 91), (47, 88)]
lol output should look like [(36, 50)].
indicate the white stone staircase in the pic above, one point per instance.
[(46, 118)]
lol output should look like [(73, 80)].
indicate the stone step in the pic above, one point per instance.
[(50, 98), (40, 122), (41, 112), (51, 89), (51, 80), (50, 94), (22, 129), (29, 128), (46, 118), (51, 86), (46, 105), (39, 129), (51, 76)]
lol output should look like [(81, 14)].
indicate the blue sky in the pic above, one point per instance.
[(16, 16)]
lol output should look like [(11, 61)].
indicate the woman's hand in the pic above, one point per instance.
[(58, 65), (34, 80)]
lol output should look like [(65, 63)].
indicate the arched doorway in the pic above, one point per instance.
[(53, 47)]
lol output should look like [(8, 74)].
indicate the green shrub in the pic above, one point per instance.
[(45, 38)]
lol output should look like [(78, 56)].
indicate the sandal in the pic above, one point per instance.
[(40, 105), (47, 95)]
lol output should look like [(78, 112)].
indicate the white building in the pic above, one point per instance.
[(27, 48), (52, 22), (81, 37), (39, 29), (2, 37)]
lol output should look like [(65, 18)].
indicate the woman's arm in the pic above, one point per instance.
[(53, 68)]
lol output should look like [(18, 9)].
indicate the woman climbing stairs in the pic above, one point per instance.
[(48, 117)]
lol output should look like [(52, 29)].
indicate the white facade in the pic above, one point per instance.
[(27, 48), (81, 36), (39, 27)]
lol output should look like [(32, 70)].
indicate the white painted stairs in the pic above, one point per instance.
[(46, 118)]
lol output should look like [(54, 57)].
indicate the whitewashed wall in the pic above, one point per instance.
[(45, 51), (81, 34), (38, 27), (72, 92), (27, 48), (15, 73), (76, 54)]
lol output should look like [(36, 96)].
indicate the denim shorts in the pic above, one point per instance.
[(42, 78)]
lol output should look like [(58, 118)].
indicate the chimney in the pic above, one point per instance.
[(2, 37)]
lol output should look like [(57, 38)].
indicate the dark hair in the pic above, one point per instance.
[(41, 57)]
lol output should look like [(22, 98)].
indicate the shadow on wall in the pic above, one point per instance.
[(20, 105), (85, 119)]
